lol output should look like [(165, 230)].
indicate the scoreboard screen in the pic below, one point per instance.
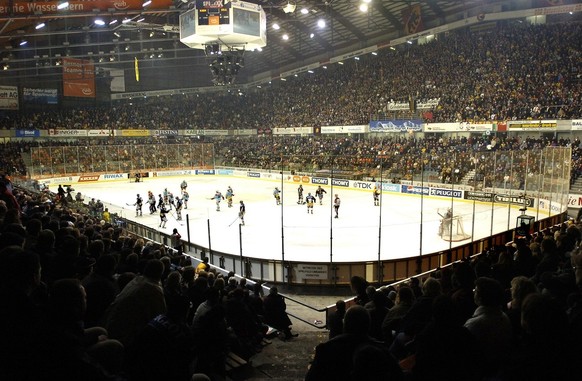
[(214, 16)]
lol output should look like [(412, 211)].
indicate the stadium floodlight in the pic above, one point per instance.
[(321, 23), (40, 26), (99, 22), (63, 5), (146, 3)]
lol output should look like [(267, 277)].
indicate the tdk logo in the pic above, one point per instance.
[(361, 185), (318, 180), (341, 183)]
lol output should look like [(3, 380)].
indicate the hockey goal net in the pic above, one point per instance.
[(451, 229)]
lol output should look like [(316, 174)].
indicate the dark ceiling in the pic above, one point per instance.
[(155, 39)]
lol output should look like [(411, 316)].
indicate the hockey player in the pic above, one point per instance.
[(310, 200), (171, 200), (185, 198), (160, 202), (229, 195), (300, 194), (165, 193), (217, 198), (178, 209), (445, 225), (319, 193), (163, 218), (277, 195), (183, 186), (138, 204), (152, 202), (376, 195), (241, 212), (336, 205)]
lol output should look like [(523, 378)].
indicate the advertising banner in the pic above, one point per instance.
[(479, 196), (395, 125), (78, 78), (413, 189), (79, 6), (40, 96), (102, 133), (526, 125), (577, 124), (132, 133), (8, 98), (60, 133), (27, 133)]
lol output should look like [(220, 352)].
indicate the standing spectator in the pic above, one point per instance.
[(275, 313)]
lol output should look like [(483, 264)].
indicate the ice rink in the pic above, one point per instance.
[(354, 236)]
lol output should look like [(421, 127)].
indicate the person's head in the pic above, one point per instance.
[(154, 270), (488, 292), (175, 231), (431, 288), (273, 290), (68, 300), (19, 269), (357, 320), (521, 287), (340, 306), (405, 295)]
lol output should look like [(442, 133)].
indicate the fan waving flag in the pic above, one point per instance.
[(136, 70)]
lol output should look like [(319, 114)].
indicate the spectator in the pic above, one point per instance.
[(139, 302), (490, 326), (335, 319), (276, 315), (353, 354)]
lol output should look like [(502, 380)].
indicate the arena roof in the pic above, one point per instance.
[(36, 36)]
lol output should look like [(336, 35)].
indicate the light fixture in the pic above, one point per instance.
[(276, 26), (125, 21), (259, 49), (304, 11), (289, 8), (321, 23), (5, 67), (311, 35), (364, 7), (357, 58), (409, 42), (116, 34), (310, 71), (325, 67), (285, 37), (40, 26), (146, 3), (23, 42), (114, 21), (374, 53), (63, 5), (140, 19), (340, 63), (99, 22), (152, 33)]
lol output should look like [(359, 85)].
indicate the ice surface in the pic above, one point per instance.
[(354, 236)]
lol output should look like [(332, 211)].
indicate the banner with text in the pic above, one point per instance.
[(8, 98), (80, 6), (78, 78), (40, 96), (395, 125)]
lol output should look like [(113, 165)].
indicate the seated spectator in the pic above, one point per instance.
[(335, 319), (353, 355), (416, 318), (392, 320), (490, 326), (444, 349), (139, 302)]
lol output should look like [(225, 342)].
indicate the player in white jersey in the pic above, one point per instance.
[(336, 205)]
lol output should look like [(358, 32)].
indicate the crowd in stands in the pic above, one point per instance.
[(513, 313), (399, 156), (83, 300), (512, 71)]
